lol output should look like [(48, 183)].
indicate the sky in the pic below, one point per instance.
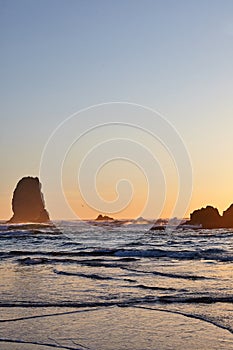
[(59, 57)]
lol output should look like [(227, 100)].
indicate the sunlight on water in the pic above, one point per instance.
[(123, 287)]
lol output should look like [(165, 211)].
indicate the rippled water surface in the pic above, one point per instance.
[(82, 285)]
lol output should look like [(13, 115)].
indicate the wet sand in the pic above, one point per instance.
[(107, 329)]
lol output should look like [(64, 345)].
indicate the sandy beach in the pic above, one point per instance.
[(110, 329)]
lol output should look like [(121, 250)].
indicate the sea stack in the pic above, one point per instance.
[(28, 202)]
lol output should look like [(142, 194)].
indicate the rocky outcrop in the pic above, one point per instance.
[(28, 202), (103, 218), (209, 218), (227, 217)]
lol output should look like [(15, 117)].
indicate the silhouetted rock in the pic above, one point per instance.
[(103, 218), (158, 228), (227, 217), (28, 202), (208, 217)]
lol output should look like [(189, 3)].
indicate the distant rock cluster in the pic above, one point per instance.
[(104, 218), (29, 207), (28, 202), (210, 218)]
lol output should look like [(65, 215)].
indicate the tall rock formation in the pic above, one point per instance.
[(28, 202)]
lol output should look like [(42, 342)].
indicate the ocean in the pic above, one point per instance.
[(89, 285)]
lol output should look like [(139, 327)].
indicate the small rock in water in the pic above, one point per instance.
[(104, 218)]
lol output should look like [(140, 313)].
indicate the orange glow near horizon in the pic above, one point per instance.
[(202, 196), (121, 191), (86, 213)]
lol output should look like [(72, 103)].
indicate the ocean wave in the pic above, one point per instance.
[(93, 276), (208, 254), (166, 274), (142, 286), (91, 262), (86, 275), (196, 299), (42, 260), (215, 254), (34, 261), (149, 299), (27, 230)]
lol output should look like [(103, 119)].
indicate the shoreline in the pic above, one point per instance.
[(111, 328)]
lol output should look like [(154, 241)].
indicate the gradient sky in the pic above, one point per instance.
[(59, 56)]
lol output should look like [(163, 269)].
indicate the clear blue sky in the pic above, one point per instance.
[(59, 56)]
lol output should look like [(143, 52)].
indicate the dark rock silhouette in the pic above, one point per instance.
[(103, 218), (227, 217), (28, 202), (210, 218)]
